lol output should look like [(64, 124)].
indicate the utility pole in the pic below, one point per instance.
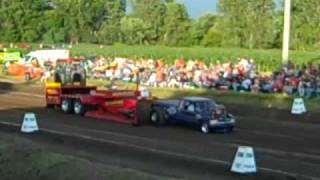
[(286, 31)]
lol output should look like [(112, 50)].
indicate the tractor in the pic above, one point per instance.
[(70, 71)]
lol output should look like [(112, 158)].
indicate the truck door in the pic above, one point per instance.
[(187, 112)]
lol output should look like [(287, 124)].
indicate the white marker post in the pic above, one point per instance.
[(298, 106), (29, 124), (244, 161)]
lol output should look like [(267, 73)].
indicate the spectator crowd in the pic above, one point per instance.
[(241, 76)]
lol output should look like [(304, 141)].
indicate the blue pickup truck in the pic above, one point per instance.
[(201, 112)]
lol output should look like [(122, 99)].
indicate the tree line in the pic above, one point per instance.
[(238, 23)]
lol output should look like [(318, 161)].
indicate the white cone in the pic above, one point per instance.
[(244, 161), (29, 123), (298, 106)]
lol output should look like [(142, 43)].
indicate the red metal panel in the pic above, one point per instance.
[(106, 116)]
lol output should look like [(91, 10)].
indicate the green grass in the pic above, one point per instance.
[(23, 159), (267, 60)]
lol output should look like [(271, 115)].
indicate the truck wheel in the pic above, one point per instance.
[(78, 108), (27, 77), (156, 117), (205, 128), (66, 105)]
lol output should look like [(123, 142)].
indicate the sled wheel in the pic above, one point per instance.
[(78, 108), (66, 105)]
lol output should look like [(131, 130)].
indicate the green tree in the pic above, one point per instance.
[(109, 32), (201, 26), (212, 38), (152, 12), (177, 25), (247, 23), (133, 30), (84, 21), (305, 24), (21, 20)]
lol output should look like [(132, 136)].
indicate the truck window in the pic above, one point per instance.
[(204, 106), (27, 59), (191, 108), (184, 105)]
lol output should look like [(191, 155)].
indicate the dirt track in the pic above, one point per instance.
[(286, 147)]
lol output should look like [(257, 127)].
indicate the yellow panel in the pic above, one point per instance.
[(53, 85)]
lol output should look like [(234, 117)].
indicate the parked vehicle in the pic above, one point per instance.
[(33, 64), (29, 71), (7, 56), (42, 56), (195, 111)]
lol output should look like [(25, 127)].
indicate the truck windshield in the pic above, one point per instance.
[(27, 59)]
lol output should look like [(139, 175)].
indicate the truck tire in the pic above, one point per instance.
[(157, 117), (5, 70), (204, 128), (83, 81), (56, 78), (79, 108), (79, 78), (27, 77), (143, 111), (67, 105)]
